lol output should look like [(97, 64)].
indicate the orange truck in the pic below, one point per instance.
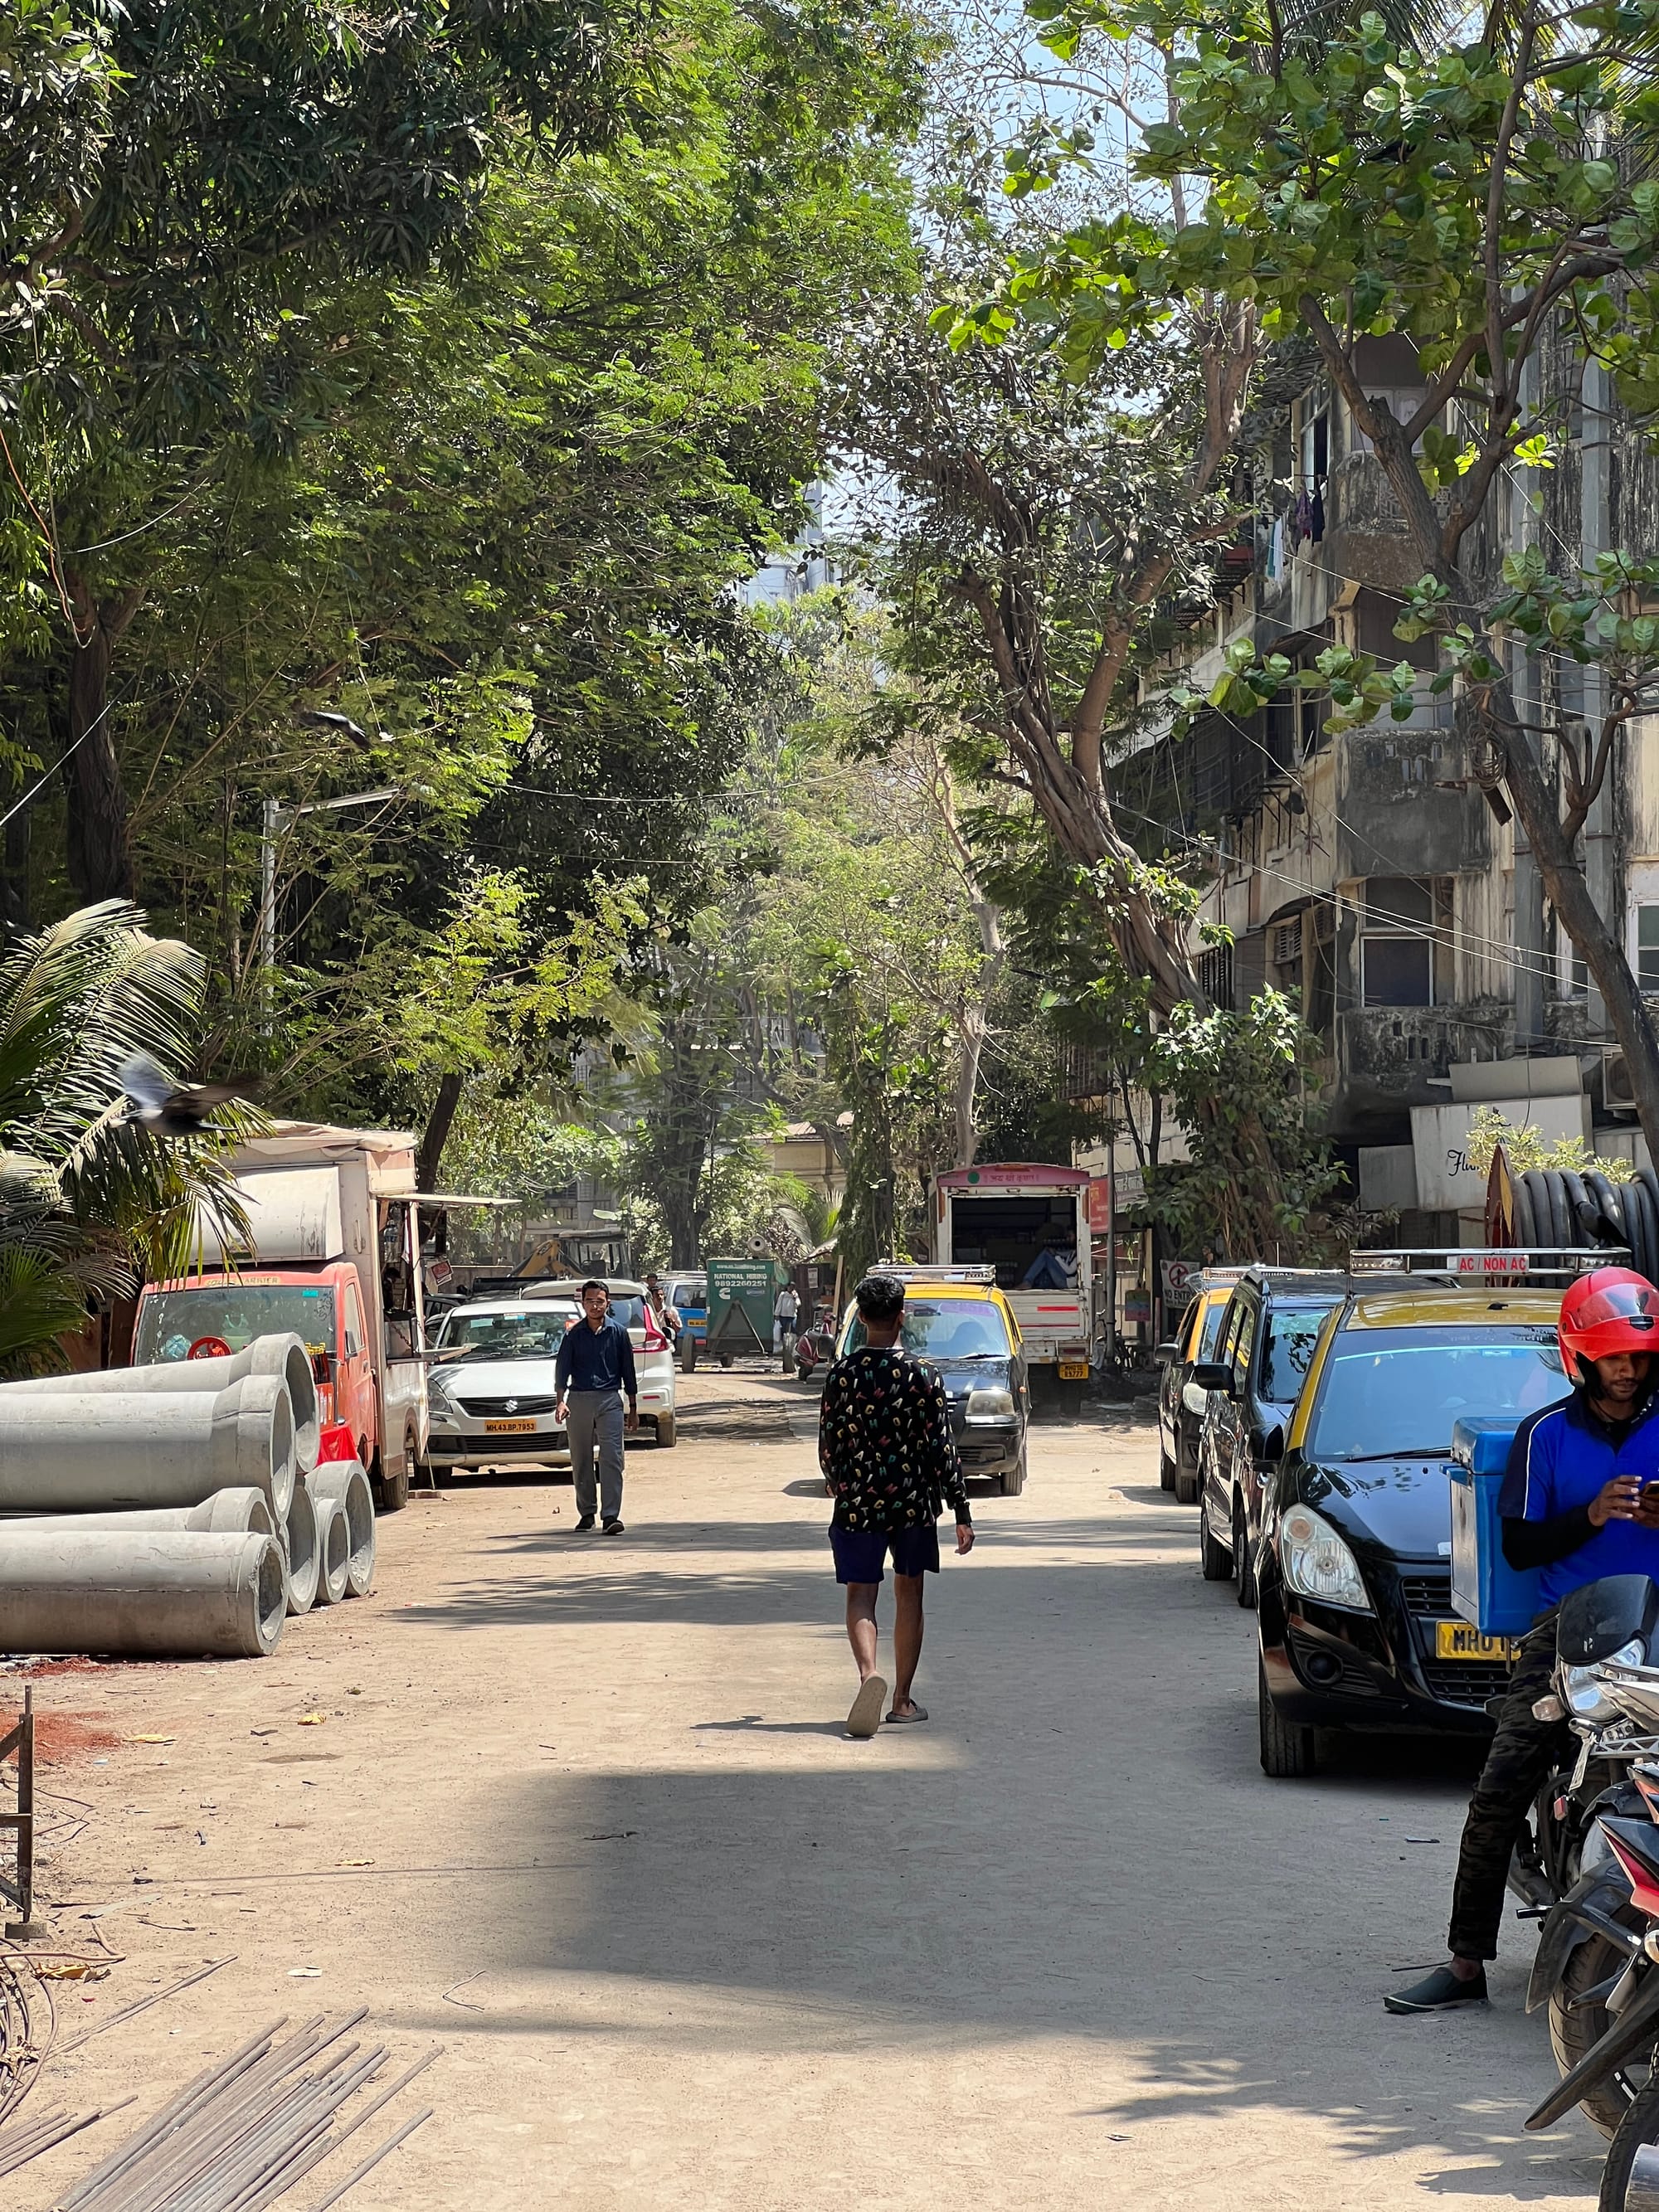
[(334, 1256)]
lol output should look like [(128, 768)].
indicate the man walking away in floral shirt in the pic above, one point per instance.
[(890, 1464)]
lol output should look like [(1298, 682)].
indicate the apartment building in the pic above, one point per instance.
[(1366, 870)]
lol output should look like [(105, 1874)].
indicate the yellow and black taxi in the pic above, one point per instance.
[(958, 1321), (1354, 1568), (1182, 1405)]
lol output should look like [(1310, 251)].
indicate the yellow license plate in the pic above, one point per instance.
[(1074, 1370), (509, 1428), (1455, 1639)]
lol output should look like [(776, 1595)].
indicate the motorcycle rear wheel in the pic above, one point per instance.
[(1638, 2127), (1575, 2027)]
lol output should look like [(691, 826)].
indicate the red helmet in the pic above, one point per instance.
[(1610, 1309)]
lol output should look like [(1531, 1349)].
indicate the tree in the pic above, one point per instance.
[(1487, 199), (88, 1197), (189, 182)]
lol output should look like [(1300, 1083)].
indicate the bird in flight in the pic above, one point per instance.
[(174, 1109)]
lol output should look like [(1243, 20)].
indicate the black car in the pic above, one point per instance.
[(1356, 1621), (969, 1333), (1181, 1405), (1273, 1317)]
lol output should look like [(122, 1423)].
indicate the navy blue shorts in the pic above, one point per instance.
[(859, 1552)]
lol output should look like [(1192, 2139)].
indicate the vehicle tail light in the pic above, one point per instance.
[(654, 1338), (325, 1402)]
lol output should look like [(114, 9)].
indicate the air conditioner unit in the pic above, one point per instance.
[(1616, 1089)]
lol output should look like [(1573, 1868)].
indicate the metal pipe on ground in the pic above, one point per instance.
[(334, 1549), (159, 1594), (234, 1512), (304, 1563), (284, 1355), (343, 1480), (64, 1450)]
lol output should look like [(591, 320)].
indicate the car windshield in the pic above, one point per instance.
[(1395, 1393), (1210, 1337), (953, 1328), (1292, 1332), (528, 1332), (170, 1322)]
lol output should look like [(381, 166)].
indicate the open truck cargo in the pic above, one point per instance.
[(1029, 1221), (334, 1253)]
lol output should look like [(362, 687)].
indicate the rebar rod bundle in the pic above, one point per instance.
[(32, 2138), (242, 2134)]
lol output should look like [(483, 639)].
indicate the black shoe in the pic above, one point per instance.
[(1439, 1991), (613, 1527), (586, 1522)]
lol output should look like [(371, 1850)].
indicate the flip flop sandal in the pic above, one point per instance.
[(865, 1717), (897, 1719)]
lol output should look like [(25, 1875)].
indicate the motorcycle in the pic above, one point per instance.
[(1565, 1869), (1601, 1937)]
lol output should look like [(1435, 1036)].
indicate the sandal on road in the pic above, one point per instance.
[(897, 1719), (865, 1717)]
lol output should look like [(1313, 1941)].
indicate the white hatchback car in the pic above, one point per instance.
[(653, 1356), (491, 1387)]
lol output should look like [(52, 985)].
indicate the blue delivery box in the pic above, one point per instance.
[(1497, 1598)]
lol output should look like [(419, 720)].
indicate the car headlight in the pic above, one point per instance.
[(1581, 1687), (1318, 1563), (990, 1405)]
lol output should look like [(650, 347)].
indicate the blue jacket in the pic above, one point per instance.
[(1560, 1458), (599, 1358)]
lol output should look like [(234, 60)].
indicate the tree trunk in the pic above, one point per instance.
[(99, 848), (435, 1135)]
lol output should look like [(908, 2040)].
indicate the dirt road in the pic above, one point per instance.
[(581, 1811)]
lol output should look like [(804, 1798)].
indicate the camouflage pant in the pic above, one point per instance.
[(1523, 1752)]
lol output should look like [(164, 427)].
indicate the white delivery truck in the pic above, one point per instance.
[(335, 1241), (1029, 1223)]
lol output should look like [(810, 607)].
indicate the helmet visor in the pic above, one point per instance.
[(1637, 1304)]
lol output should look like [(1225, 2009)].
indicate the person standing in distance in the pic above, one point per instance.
[(890, 1464), (1580, 1501), (594, 1372), (786, 1315)]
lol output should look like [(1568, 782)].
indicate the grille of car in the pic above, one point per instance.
[(492, 1409), (1429, 1594), (1466, 1681)]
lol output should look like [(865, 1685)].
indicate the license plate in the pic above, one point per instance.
[(509, 1428), (1074, 1370), (1455, 1639)]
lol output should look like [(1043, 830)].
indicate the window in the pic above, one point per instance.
[(1647, 947), (1240, 1332), (1215, 973), (1291, 1335), (1399, 923)]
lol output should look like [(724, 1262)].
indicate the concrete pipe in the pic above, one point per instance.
[(234, 1512), (343, 1480), (157, 1594), (304, 1561), (64, 1451), (334, 1549), (284, 1355)]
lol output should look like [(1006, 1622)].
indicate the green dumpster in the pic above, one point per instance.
[(741, 1296)]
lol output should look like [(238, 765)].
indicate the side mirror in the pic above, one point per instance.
[(1213, 1375), (1270, 1447), (1165, 1353)]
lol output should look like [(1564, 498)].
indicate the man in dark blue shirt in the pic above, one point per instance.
[(1580, 1500), (594, 1372)]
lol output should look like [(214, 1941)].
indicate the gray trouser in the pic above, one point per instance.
[(595, 1417)]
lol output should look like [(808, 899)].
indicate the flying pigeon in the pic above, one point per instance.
[(173, 1110)]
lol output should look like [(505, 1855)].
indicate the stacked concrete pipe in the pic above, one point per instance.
[(69, 1450), (303, 1561), (334, 1549), (284, 1355), (156, 1594), (343, 1482), (235, 1512)]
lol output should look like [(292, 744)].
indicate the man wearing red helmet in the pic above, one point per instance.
[(1576, 1503)]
